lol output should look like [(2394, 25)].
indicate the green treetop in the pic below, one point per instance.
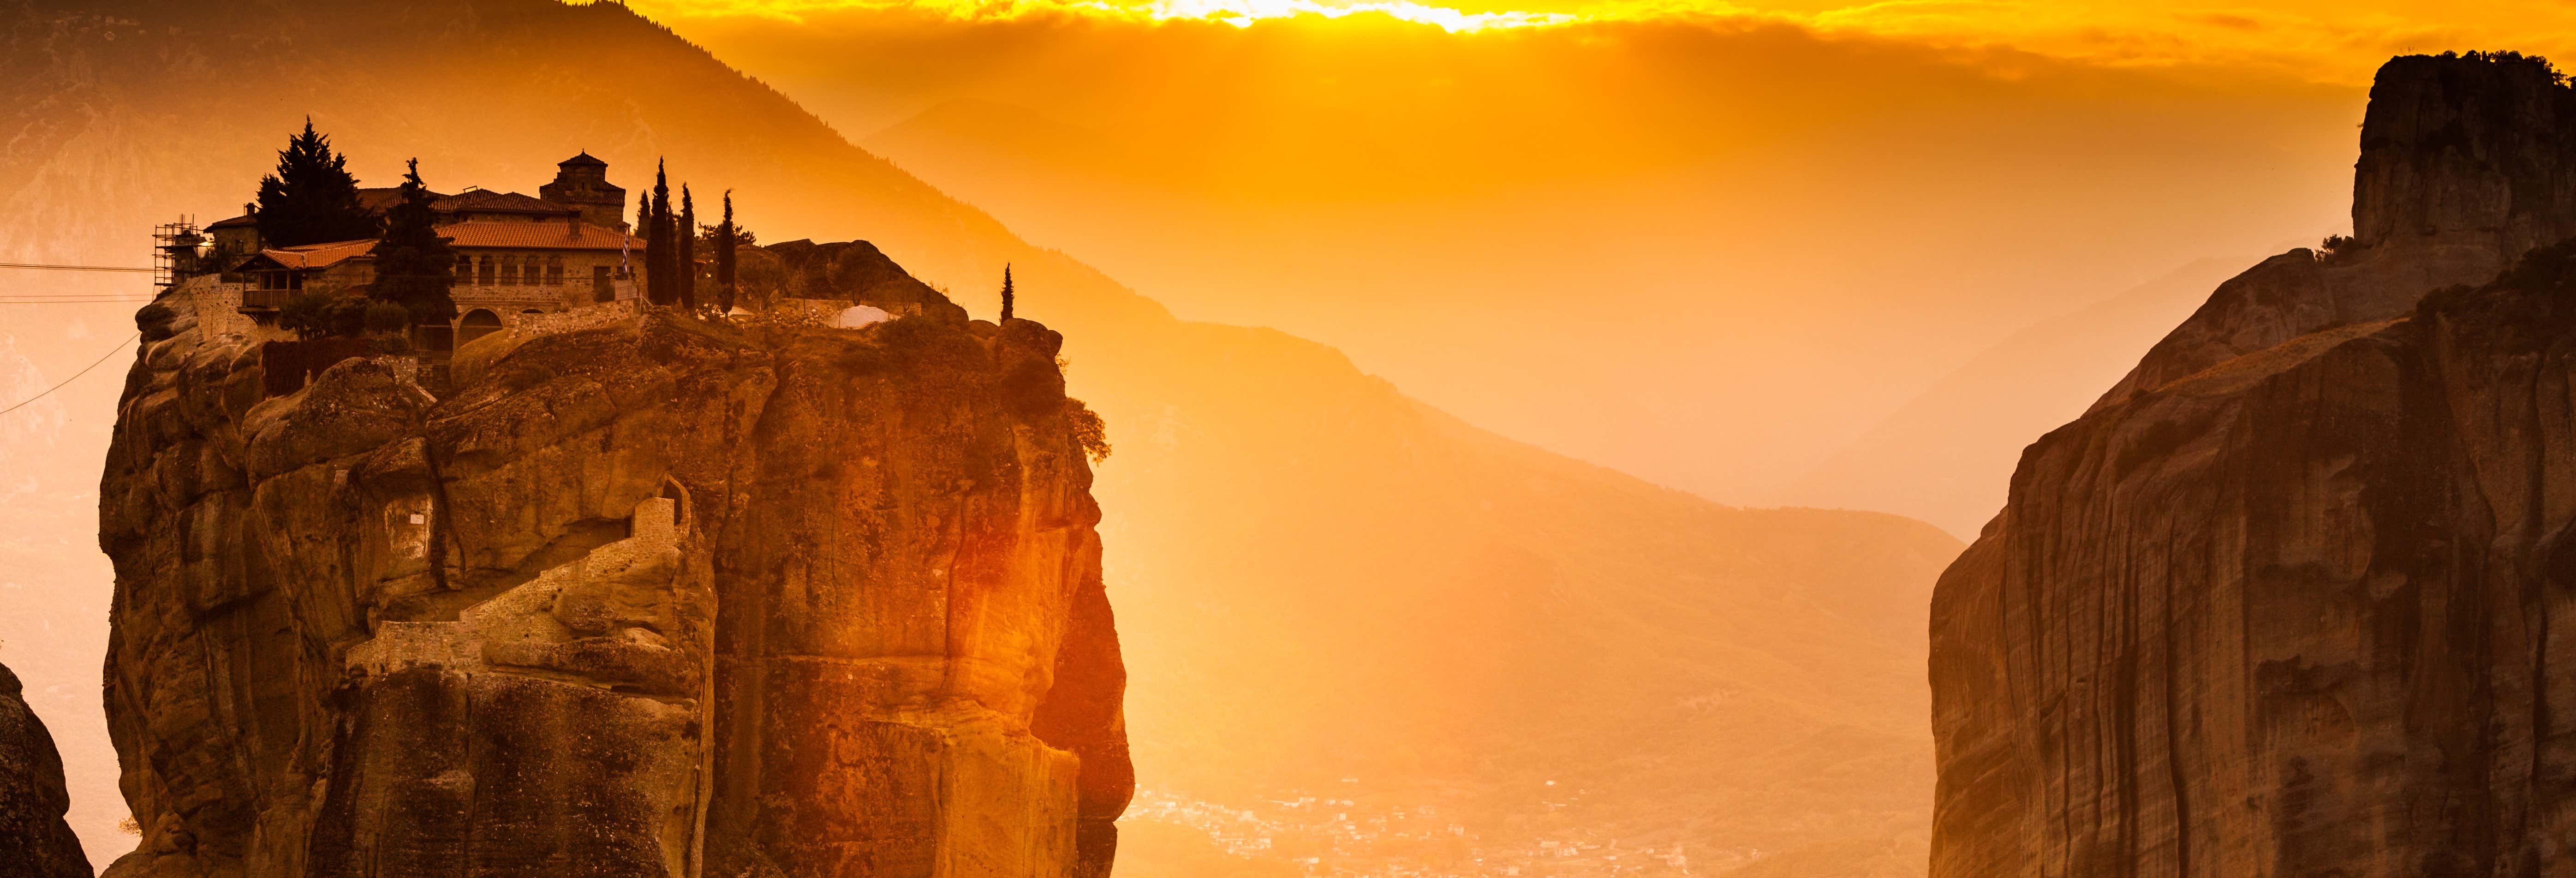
[(311, 199)]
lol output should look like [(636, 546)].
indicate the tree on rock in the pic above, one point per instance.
[(687, 255), (659, 267), (414, 266), (725, 247), (1006, 292), (311, 199)]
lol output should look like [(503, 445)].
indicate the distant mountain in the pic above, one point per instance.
[(1331, 592), (1947, 456), (1700, 252)]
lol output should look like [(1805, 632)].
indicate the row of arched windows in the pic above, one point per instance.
[(509, 271)]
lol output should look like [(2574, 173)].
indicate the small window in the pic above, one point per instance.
[(483, 273), (509, 271), (554, 271)]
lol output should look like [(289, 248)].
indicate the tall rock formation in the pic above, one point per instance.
[(641, 596), (2294, 599), (34, 840), (2464, 166)]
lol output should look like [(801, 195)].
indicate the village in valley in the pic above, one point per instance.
[(319, 269), (1352, 830)]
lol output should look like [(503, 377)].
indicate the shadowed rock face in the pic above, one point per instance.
[(34, 840), (650, 597), (2303, 611), (2465, 165)]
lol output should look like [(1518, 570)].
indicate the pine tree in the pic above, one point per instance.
[(311, 199), (1006, 292), (658, 264), (725, 247), (687, 254), (414, 266)]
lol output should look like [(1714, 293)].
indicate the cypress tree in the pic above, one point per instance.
[(414, 266), (725, 247), (311, 199), (1006, 292), (659, 266), (687, 254)]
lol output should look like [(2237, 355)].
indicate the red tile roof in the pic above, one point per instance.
[(312, 256), (379, 199), (488, 201), (242, 220), (537, 235)]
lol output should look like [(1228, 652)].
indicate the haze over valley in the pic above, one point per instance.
[(1537, 432)]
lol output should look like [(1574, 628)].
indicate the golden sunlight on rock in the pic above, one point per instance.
[(1285, 438)]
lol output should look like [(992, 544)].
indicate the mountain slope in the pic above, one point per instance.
[(1946, 456), (1320, 578)]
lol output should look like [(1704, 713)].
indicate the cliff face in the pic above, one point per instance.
[(2301, 611), (2464, 167), (34, 840), (644, 597)]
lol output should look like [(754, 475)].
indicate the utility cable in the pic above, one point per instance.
[(46, 267), (75, 376)]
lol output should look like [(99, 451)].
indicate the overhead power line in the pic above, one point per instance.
[(46, 267), (75, 376)]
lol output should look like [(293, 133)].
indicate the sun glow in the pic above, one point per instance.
[(1240, 13), (2316, 40)]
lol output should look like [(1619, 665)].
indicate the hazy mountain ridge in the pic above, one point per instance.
[(1738, 249), (1319, 576), (1948, 455)]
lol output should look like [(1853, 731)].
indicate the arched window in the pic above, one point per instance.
[(483, 272), (477, 324), (554, 271), (509, 271), (464, 269)]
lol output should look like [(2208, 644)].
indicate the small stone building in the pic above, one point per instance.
[(516, 255), (582, 182)]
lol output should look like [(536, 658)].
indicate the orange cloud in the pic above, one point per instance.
[(2314, 40)]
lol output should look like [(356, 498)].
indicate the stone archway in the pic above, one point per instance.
[(478, 323)]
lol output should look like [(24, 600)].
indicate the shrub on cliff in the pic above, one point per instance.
[(2509, 58), (312, 315), (2536, 297), (384, 318), (1089, 431)]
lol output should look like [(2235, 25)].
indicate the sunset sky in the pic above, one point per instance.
[(2316, 39), (1447, 275), (1708, 244)]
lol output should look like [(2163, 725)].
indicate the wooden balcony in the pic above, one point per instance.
[(264, 300)]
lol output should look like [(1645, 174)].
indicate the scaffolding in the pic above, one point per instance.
[(175, 245)]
